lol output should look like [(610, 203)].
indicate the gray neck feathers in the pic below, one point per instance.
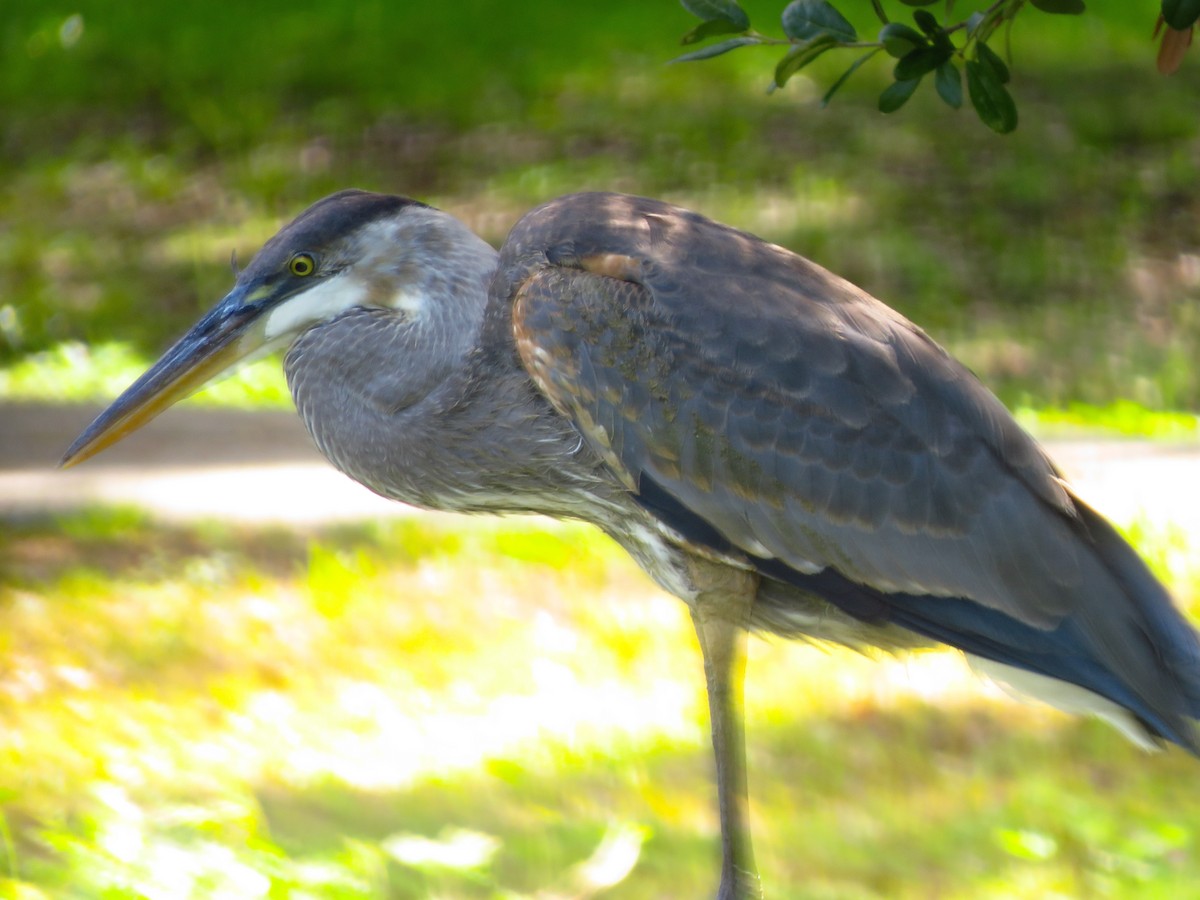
[(412, 397)]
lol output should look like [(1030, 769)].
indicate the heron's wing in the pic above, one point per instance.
[(797, 415), (800, 419)]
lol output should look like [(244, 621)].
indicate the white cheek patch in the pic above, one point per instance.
[(324, 300)]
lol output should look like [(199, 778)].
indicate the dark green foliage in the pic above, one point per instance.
[(804, 20), (949, 84), (1181, 14), (990, 98), (899, 39), (720, 10), (927, 22), (716, 49), (997, 68), (896, 94), (920, 62), (799, 57), (937, 44), (711, 28)]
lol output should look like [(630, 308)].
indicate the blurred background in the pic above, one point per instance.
[(263, 695)]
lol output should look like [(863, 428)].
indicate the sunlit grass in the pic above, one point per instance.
[(413, 710), (97, 373), (1172, 553), (1122, 418)]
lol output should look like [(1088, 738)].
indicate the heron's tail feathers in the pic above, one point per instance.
[(1124, 653), (1171, 639), (1024, 684)]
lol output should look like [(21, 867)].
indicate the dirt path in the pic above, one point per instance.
[(261, 467)]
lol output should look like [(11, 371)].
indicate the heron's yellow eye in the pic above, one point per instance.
[(302, 265)]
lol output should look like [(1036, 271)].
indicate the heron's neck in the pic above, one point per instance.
[(435, 272), (436, 410)]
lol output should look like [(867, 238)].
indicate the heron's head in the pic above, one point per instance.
[(350, 249)]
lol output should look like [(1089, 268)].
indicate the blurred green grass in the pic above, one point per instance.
[(142, 146), (414, 709)]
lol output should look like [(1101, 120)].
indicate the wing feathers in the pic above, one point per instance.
[(818, 431)]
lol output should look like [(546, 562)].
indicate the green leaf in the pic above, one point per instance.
[(990, 98), (991, 60), (716, 49), (845, 76), (799, 57), (919, 62), (900, 40), (918, 2), (1059, 7), (722, 10), (896, 95), (948, 82), (708, 29), (804, 20), (926, 22), (1181, 14)]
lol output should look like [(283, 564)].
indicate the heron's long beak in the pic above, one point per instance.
[(223, 337)]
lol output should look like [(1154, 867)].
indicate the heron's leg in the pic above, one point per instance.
[(720, 626)]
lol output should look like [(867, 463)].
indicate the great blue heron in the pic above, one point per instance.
[(773, 445)]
